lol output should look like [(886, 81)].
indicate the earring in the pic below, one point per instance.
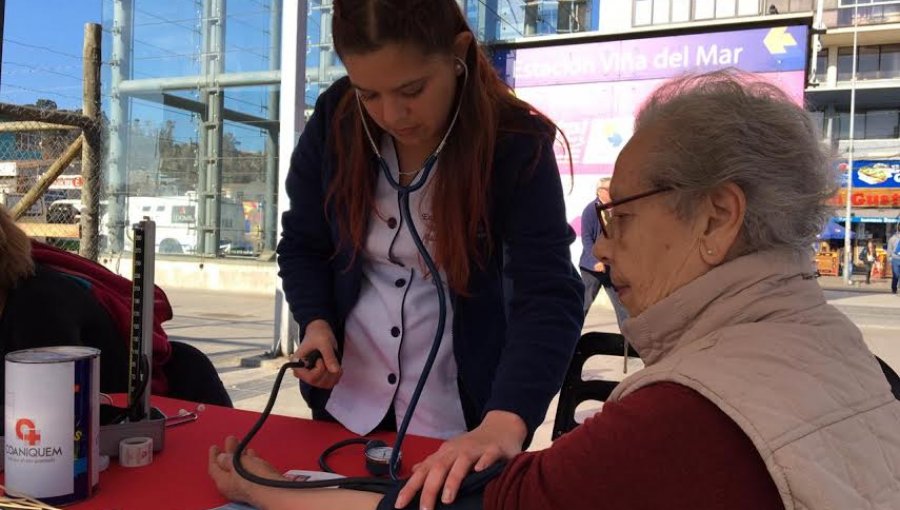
[(709, 252), (459, 66)]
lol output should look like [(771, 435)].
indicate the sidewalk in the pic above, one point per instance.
[(858, 284)]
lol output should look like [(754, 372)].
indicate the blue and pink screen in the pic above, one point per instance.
[(593, 90)]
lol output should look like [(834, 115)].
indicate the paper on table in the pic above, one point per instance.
[(297, 475)]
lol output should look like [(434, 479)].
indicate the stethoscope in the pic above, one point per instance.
[(366, 483)]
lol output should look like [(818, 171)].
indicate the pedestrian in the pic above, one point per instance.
[(867, 256), (596, 274), (893, 249), (420, 170)]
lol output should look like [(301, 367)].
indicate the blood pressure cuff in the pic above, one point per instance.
[(470, 496)]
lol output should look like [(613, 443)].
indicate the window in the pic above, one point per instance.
[(681, 11), (800, 5), (822, 65), (870, 125), (889, 62), (748, 7), (704, 9), (843, 127), (726, 8), (873, 63), (818, 118), (868, 14), (845, 63), (532, 17), (643, 12), (660, 12), (882, 124), (867, 63), (573, 16)]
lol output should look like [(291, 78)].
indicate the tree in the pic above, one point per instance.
[(45, 104)]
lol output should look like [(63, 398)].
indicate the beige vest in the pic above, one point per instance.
[(756, 337)]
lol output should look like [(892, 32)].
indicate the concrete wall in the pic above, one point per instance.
[(209, 274)]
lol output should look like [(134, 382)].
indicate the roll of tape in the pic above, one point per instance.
[(135, 451)]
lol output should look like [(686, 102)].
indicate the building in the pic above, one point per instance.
[(195, 88), (875, 190), (517, 30)]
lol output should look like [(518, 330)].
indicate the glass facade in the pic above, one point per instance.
[(191, 94), (492, 21), (663, 12), (865, 14), (876, 62)]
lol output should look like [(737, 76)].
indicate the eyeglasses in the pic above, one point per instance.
[(604, 216)]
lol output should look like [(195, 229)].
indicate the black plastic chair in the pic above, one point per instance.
[(192, 377), (576, 390), (892, 377)]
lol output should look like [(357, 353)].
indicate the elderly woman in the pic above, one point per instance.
[(41, 307), (756, 394)]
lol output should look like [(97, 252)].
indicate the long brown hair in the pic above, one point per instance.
[(15, 253), (460, 200)]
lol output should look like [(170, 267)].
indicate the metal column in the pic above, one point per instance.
[(270, 204), (210, 168), (120, 70), (293, 104), (487, 20)]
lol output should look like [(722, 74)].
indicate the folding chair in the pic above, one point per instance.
[(576, 390)]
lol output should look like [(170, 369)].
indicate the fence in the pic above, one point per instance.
[(50, 163)]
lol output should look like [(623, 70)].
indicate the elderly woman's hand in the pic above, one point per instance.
[(499, 437), (230, 484)]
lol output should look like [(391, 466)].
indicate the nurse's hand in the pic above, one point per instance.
[(499, 437), (327, 371)]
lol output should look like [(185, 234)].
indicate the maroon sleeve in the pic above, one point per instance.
[(664, 446)]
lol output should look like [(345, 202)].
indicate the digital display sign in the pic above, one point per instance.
[(593, 90)]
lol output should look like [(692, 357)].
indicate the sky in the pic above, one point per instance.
[(43, 39), (42, 51)]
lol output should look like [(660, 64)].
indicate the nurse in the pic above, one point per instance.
[(423, 120)]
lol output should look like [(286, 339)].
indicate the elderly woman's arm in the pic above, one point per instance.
[(236, 488), (664, 446)]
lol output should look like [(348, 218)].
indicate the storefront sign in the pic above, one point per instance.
[(873, 173), (68, 182), (880, 197)]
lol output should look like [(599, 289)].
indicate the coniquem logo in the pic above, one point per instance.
[(26, 431)]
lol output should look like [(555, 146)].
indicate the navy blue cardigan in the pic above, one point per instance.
[(514, 334)]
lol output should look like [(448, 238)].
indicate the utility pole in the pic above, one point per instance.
[(91, 151), (848, 248), (2, 24)]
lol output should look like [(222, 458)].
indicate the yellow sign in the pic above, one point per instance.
[(778, 39)]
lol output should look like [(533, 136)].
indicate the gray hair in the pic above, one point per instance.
[(729, 126), (602, 181)]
